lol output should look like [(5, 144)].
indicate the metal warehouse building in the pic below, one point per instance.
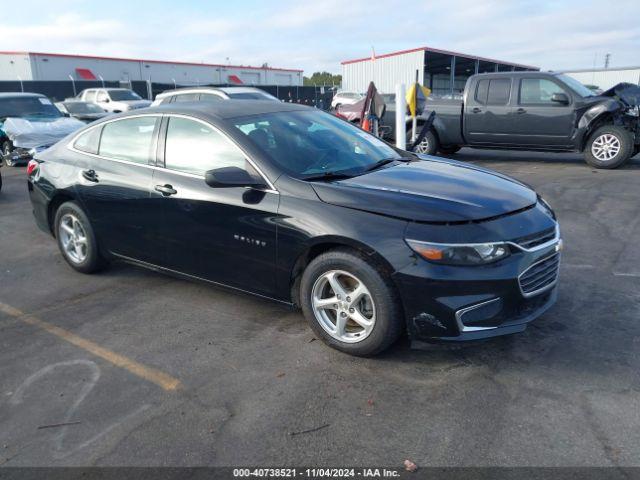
[(606, 78), (53, 66), (442, 71)]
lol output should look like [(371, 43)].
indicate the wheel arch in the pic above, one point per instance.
[(594, 118), (323, 244), (58, 199)]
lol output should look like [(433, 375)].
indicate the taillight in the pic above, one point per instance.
[(32, 166)]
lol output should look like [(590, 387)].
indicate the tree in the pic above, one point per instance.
[(323, 78)]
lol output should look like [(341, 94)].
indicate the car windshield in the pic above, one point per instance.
[(250, 96), (82, 107), (123, 95), (27, 106), (312, 144), (575, 85)]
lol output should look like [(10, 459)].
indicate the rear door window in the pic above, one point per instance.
[(102, 96), (195, 148), (90, 96), (499, 91), (482, 90), (130, 139)]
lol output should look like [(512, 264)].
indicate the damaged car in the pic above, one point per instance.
[(30, 123), (536, 111), (291, 203)]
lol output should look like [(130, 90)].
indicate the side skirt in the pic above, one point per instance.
[(186, 276)]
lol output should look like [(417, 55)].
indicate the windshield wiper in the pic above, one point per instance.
[(328, 176), (386, 161)]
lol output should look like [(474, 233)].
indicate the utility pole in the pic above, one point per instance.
[(607, 59)]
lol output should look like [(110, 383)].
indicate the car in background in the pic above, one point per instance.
[(345, 98), (115, 100), (292, 203), (211, 94), (29, 123), (84, 111)]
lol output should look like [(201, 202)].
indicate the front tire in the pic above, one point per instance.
[(76, 239), (608, 147), (349, 304), (450, 149)]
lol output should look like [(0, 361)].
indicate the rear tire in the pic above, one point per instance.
[(608, 147), (361, 315), (429, 145), (76, 239)]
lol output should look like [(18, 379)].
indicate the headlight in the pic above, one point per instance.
[(463, 254)]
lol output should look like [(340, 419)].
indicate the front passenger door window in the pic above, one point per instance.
[(194, 147), (538, 91)]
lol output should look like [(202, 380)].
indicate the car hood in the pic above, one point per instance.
[(39, 131), (433, 191)]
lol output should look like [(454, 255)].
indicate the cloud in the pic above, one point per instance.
[(552, 35)]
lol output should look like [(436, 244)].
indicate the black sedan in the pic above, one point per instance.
[(296, 205)]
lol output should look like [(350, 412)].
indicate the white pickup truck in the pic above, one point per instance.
[(113, 100)]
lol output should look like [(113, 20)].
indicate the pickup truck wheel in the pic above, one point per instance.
[(6, 153), (608, 147), (429, 144)]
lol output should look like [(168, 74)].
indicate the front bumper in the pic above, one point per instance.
[(452, 303)]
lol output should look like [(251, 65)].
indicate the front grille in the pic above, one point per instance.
[(532, 241), (540, 276)]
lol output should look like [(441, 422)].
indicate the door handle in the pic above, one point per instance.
[(90, 175), (476, 110), (521, 110), (166, 190)]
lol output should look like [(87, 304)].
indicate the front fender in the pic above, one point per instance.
[(593, 116)]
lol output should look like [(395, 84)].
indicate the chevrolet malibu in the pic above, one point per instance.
[(295, 205)]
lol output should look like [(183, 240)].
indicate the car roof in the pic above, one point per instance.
[(528, 73), (221, 110), (241, 90), (20, 94)]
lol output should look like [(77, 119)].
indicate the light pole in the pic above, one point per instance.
[(73, 83)]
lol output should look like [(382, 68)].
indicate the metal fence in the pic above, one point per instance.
[(313, 96)]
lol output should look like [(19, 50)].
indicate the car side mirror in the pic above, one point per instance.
[(560, 98), (228, 177), (107, 100)]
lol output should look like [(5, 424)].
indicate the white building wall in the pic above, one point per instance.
[(14, 67), (385, 72), (57, 67), (606, 79)]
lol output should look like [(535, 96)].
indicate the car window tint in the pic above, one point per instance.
[(187, 97), (129, 139), (89, 141), (499, 91), (481, 91), (538, 91), (193, 147), (210, 97)]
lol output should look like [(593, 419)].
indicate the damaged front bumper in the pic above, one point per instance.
[(453, 304)]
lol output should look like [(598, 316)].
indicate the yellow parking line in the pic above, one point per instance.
[(167, 382)]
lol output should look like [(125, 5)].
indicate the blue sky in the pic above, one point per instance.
[(318, 35)]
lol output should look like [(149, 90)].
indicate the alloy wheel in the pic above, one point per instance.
[(422, 147), (606, 147), (73, 238), (343, 306)]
